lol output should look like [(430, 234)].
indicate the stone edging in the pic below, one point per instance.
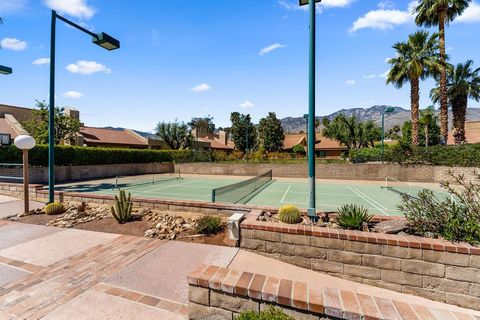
[(415, 242)]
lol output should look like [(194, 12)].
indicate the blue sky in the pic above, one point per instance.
[(184, 59)]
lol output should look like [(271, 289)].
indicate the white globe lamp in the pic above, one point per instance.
[(25, 143)]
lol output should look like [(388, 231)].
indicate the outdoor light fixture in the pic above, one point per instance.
[(25, 143), (101, 39), (105, 41), (5, 70), (305, 2)]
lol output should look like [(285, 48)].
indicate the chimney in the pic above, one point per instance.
[(223, 137)]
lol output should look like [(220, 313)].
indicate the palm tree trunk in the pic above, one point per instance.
[(427, 133), (415, 107), (443, 78), (459, 119)]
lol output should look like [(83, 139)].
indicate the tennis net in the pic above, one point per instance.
[(242, 192), (398, 186), (138, 181)]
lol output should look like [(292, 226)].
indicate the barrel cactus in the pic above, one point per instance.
[(289, 214), (122, 209), (54, 208)]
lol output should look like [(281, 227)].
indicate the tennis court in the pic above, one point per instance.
[(331, 194)]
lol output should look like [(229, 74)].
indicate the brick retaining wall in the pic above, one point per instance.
[(75, 173), (431, 268), (362, 171)]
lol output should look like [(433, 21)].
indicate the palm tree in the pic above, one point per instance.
[(463, 83), (427, 118), (439, 13), (415, 60)]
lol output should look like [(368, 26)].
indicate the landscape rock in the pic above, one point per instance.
[(391, 226)]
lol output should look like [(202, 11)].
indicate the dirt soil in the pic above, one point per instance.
[(134, 228)]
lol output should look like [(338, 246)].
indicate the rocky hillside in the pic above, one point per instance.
[(397, 117)]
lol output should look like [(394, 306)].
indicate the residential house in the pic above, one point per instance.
[(324, 147), (472, 133)]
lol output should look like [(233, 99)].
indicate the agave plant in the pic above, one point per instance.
[(351, 216)]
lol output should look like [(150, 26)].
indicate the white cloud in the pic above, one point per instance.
[(73, 95), (41, 61), (12, 5), (13, 44), (271, 48), (471, 14), (385, 74), (369, 76), (384, 19), (201, 88), (350, 82), (76, 8), (386, 4), (87, 67), (293, 5), (247, 104)]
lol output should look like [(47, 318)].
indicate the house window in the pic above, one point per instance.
[(321, 154)]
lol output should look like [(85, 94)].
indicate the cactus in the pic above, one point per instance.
[(122, 209), (54, 208), (289, 214)]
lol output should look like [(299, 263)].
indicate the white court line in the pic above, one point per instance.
[(285, 194), (381, 205), (366, 199)]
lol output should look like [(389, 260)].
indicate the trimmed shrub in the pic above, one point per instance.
[(289, 214), (270, 314), (209, 225), (79, 156), (54, 208), (353, 217)]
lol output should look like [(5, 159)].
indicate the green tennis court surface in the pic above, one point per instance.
[(330, 194)]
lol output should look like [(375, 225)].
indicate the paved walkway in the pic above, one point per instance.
[(54, 273), (10, 206)]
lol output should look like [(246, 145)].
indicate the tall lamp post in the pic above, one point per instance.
[(386, 110), (311, 109), (101, 39), (305, 116), (25, 143), (5, 70)]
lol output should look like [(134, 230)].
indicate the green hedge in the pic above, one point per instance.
[(467, 155), (78, 156)]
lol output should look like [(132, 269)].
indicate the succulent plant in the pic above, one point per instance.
[(122, 209), (54, 208), (351, 216), (289, 214)]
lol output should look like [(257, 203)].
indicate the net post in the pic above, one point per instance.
[(213, 195)]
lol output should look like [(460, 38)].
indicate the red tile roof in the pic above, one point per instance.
[(322, 143), (105, 136), (217, 144), (7, 128)]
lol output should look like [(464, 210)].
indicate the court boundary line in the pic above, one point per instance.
[(285, 194), (366, 198)]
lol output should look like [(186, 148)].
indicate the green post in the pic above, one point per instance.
[(383, 136), (51, 115), (311, 115)]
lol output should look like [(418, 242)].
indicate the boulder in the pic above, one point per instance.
[(391, 226)]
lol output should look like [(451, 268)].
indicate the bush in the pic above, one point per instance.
[(353, 217), (455, 218), (54, 208), (466, 155), (299, 149), (289, 214), (209, 225), (78, 156), (270, 314)]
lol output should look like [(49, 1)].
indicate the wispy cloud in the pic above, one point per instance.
[(271, 48), (201, 88), (247, 104), (41, 61), (13, 44), (384, 18), (87, 67), (76, 8), (12, 5), (73, 95), (369, 76), (350, 82), (471, 14)]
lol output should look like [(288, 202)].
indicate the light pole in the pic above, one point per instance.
[(246, 138), (5, 70), (101, 39), (25, 143), (305, 116), (311, 109), (386, 110)]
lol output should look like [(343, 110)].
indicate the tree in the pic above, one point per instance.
[(463, 83), (271, 134), (427, 117), (350, 132), (393, 133), (175, 134), (440, 13), (66, 128), (242, 130), (433, 134), (204, 126), (299, 149), (415, 60)]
